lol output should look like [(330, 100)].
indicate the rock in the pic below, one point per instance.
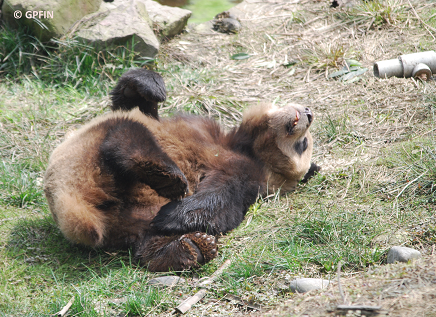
[(343, 3), (303, 285), (167, 281), (57, 15), (226, 22), (169, 21), (402, 254), (116, 26)]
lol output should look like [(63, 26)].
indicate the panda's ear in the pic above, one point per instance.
[(139, 88)]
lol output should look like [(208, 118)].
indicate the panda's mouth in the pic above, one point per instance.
[(290, 126)]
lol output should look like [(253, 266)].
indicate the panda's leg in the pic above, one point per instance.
[(139, 88), (177, 252), (313, 169), (131, 153)]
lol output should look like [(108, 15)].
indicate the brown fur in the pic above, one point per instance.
[(118, 181)]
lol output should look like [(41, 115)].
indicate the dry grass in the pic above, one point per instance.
[(401, 290)]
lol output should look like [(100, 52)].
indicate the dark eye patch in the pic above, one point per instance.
[(290, 128), (300, 146)]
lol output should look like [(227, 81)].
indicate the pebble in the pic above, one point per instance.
[(402, 254), (167, 281), (303, 285)]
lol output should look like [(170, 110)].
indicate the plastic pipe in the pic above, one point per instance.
[(389, 68), (421, 71), (405, 64)]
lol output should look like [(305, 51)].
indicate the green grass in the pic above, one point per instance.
[(67, 63), (324, 56), (204, 11), (377, 13), (22, 185)]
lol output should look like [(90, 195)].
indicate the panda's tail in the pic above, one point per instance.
[(79, 221)]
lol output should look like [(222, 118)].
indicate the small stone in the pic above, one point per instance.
[(303, 285), (167, 281), (402, 254)]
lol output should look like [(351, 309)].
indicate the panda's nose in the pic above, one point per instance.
[(309, 114)]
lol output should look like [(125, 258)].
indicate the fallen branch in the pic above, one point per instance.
[(64, 310), (187, 303), (358, 307), (339, 283)]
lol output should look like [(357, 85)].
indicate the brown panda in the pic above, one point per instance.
[(168, 187)]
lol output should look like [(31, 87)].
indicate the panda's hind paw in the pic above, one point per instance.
[(203, 244)]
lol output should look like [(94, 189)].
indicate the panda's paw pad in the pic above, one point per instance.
[(204, 243)]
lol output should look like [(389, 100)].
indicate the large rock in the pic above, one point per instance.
[(57, 15), (168, 21), (119, 24)]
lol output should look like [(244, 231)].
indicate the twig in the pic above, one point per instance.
[(358, 307), (187, 304), (64, 310), (339, 282), (410, 183)]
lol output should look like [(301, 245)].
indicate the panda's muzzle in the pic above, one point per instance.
[(309, 115)]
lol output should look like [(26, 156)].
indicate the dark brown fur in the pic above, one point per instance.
[(168, 187)]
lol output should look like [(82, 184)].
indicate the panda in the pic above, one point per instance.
[(169, 187)]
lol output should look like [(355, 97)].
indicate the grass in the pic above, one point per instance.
[(374, 140), (324, 56), (21, 183), (65, 62), (203, 12), (377, 13)]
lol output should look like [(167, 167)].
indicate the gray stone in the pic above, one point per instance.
[(167, 281), (116, 26), (56, 16), (168, 21), (303, 285), (402, 254)]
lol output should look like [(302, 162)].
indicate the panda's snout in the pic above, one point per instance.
[(309, 115)]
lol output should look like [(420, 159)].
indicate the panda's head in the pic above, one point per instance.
[(281, 139), (290, 122)]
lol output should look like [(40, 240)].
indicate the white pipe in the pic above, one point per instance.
[(405, 65)]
